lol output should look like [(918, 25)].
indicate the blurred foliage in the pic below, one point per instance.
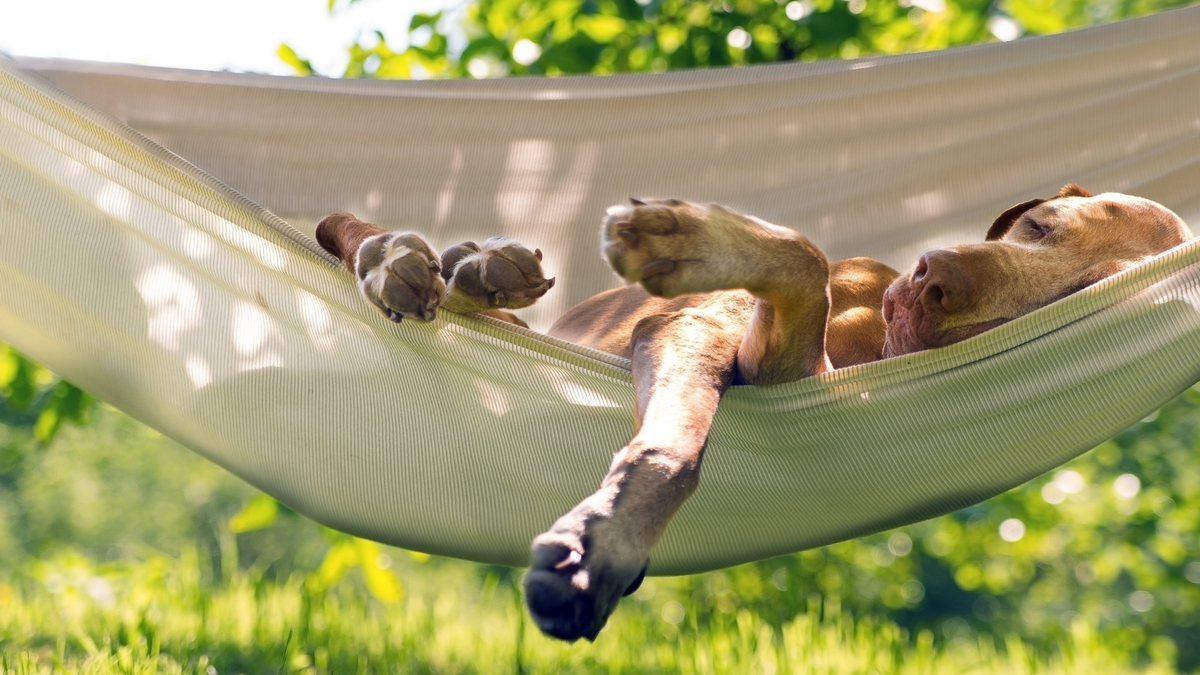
[(347, 553), (494, 38), (32, 397), (169, 615)]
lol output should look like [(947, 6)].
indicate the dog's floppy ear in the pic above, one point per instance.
[(1072, 190), (1005, 222)]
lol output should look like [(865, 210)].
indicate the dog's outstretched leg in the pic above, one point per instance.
[(591, 557), (682, 363)]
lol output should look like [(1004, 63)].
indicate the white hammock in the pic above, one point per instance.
[(156, 287)]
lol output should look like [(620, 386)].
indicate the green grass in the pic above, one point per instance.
[(116, 557), (168, 615)]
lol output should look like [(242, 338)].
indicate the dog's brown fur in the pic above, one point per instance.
[(722, 299)]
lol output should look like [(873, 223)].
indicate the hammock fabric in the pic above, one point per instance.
[(152, 284)]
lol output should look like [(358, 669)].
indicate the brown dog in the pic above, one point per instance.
[(729, 299)]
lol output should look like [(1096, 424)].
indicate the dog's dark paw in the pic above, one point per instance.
[(572, 586), (500, 274), (399, 274)]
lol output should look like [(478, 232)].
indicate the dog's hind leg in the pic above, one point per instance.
[(682, 363), (397, 272), (402, 276), (499, 274)]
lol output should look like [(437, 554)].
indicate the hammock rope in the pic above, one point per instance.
[(165, 291)]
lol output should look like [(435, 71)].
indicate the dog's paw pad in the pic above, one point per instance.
[(672, 247), (647, 239), (572, 587), (399, 274), (500, 273), (453, 255)]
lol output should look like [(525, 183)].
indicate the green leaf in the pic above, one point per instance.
[(420, 19), (289, 56), (433, 49), (481, 46), (1037, 15), (339, 559), (22, 380), (381, 581), (333, 3), (9, 362), (398, 66), (601, 28), (258, 513), (671, 37), (66, 403), (47, 425)]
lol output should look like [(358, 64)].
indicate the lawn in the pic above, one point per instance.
[(169, 615)]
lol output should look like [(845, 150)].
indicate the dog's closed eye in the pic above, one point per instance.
[(1037, 229)]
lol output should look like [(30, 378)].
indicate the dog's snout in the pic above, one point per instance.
[(919, 272), (940, 282), (934, 295)]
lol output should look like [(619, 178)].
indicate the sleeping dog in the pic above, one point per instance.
[(716, 299)]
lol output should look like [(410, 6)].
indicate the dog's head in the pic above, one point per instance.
[(1035, 253)]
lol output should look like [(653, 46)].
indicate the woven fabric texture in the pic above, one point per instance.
[(179, 290)]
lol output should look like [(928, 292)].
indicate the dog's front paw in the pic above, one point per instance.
[(578, 573), (399, 273), (499, 274), (671, 247)]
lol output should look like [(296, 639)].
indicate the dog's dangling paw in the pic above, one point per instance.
[(399, 273), (578, 574), (500, 274)]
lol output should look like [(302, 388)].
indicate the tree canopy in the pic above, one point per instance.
[(492, 38)]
